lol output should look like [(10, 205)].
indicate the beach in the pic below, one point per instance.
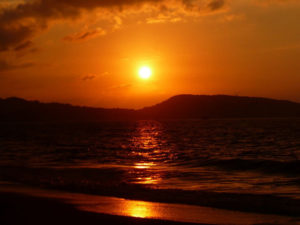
[(227, 171), (28, 205), (22, 209)]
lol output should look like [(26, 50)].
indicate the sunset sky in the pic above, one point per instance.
[(89, 52)]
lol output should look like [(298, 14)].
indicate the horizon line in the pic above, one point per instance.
[(99, 107)]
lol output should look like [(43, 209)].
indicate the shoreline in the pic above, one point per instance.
[(21, 209), (108, 184), (21, 203)]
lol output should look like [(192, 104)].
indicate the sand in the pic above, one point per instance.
[(21, 209), (21, 204)]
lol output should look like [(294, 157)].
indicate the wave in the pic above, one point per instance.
[(104, 182), (264, 166)]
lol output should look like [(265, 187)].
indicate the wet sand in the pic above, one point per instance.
[(98, 182), (26, 205), (21, 209)]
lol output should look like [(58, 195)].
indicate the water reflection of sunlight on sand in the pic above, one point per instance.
[(149, 152), (142, 209), (139, 209)]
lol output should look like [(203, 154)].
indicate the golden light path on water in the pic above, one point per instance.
[(149, 153)]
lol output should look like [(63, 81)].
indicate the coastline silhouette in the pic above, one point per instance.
[(177, 107)]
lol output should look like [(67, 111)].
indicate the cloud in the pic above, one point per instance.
[(89, 77), (85, 35), (272, 2), (25, 45), (15, 35), (5, 66), (20, 23), (163, 19), (216, 4), (232, 17)]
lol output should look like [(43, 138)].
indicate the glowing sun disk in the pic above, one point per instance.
[(145, 72)]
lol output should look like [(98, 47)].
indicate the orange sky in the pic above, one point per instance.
[(88, 52)]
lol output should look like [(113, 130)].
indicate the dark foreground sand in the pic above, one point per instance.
[(29, 205), (21, 209)]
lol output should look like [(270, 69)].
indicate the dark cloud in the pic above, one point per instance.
[(216, 4), (85, 35), (44, 10), (14, 36), (19, 24), (5, 66), (25, 45), (272, 2), (89, 77)]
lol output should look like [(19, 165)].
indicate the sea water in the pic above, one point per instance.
[(253, 156)]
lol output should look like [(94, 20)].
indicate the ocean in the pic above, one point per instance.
[(159, 160)]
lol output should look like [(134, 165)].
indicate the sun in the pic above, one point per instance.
[(145, 72)]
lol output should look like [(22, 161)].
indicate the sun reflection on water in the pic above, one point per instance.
[(150, 151), (144, 165), (138, 209)]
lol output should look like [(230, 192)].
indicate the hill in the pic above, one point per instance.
[(17, 109), (180, 106), (221, 106)]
